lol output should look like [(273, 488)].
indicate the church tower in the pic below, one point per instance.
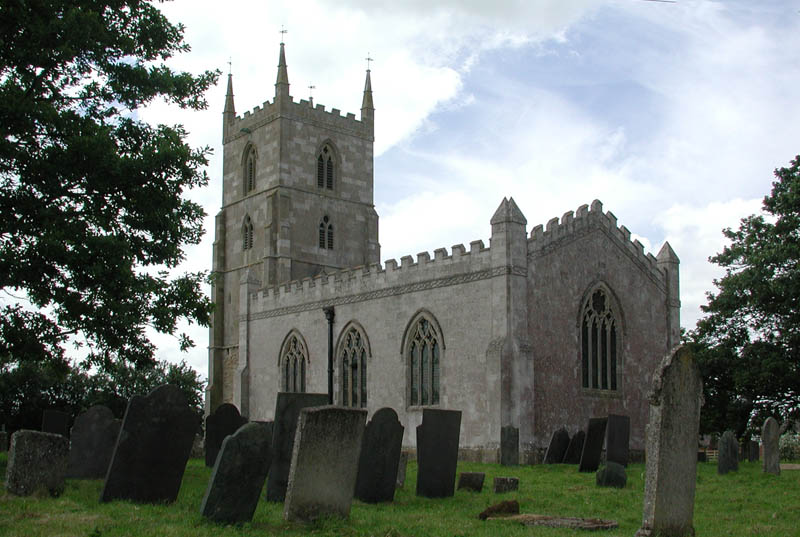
[(297, 200)]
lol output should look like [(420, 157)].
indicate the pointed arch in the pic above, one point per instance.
[(325, 233), (353, 352), (600, 331), (423, 351), (293, 362), (327, 165), (249, 168), (247, 233)]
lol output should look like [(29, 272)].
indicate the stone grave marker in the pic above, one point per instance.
[(752, 451), (471, 481), (509, 446), (593, 445), (239, 474), (671, 467), (559, 443), (770, 434), (287, 411), (36, 461), (437, 452), (152, 449), (3, 439), (56, 422), (224, 421), (612, 475), (573, 454), (505, 484), (380, 457), (618, 436), (92, 442), (728, 455), (324, 463), (401, 469)]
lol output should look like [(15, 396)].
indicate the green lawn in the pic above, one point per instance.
[(744, 503)]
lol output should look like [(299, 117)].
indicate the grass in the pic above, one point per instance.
[(747, 502)]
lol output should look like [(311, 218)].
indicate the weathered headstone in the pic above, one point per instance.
[(505, 484), (224, 421), (36, 461), (287, 411), (402, 464), (612, 475), (380, 457), (671, 465), (56, 422), (509, 446), (752, 451), (573, 454), (324, 463), (593, 445), (618, 436), (728, 455), (437, 452), (92, 442), (559, 443), (770, 435), (472, 481), (239, 473), (152, 449), (3, 439)]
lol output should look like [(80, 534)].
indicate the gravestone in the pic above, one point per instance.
[(612, 475), (380, 457), (56, 422), (728, 455), (239, 474), (401, 469), (287, 411), (152, 449), (505, 484), (471, 481), (618, 436), (92, 442), (593, 445), (36, 461), (752, 451), (224, 421), (770, 434), (573, 454), (559, 443), (437, 452), (3, 439), (671, 465), (509, 446), (324, 463)]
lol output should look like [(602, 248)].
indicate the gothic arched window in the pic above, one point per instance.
[(247, 233), (294, 357), (326, 233), (422, 351), (250, 171), (325, 168), (600, 342), (353, 353)]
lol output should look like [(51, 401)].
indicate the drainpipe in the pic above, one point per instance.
[(329, 315)]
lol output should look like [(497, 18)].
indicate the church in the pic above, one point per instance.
[(540, 329)]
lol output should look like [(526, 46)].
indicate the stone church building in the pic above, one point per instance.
[(539, 329)]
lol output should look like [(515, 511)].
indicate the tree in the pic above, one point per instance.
[(749, 341)]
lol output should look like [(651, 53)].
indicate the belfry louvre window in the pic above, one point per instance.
[(599, 343), (423, 350), (353, 363), (247, 233), (294, 357), (326, 233), (325, 168), (250, 171)]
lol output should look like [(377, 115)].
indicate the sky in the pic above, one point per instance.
[(673, 114)]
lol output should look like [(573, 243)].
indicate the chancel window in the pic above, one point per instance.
[(353, 364), (250, 171), (325, 168), (247, 233), (599, 343), (294, 358), (326, 233), (423, 352)]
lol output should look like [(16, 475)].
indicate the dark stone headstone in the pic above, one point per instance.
[(239, 474), (401, 469), (3, 441), (224, 421), (472, 481), (618, 436), (437, 452), (36, 461), (701, 456), (380, 457), (287, 412), (505, 484), (593, 445), (56, 422), (728, 456), (770, 436), (509, 446), (92, 442), (152, 449), (752, 451), (612, 475), (573, 454), (559, 443)]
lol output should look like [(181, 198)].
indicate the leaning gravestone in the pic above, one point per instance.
[(593, 445), (36, 461), (380, 457), (612, 475), (573, 454), (239, 474), (509, 446), (324, 463), (56, 422), (471, 481), (671, 466), (559, 443), (287, 412), (728, 456), (437, 452), (224, 421), (618, 436), (92, 441), (401, 469), (152, 449), (770, 435)]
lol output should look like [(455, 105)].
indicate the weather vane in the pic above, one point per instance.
[(368, 60), (230, 64), (283, 32), (310, 89)]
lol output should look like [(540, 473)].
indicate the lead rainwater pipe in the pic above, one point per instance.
[(329, 315)]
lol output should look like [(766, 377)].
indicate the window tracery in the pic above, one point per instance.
[(247, 233), (353, 353), (599, 343), (294, 357), (423, 355), (326, 233), (326, 164)]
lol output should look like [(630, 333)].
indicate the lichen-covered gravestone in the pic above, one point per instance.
[(573, 454), (593, 445), (37, 461), (559, 443), (671, 466), (152, 449), (437, 452), (324, 463), (224, 421), (55, 422), (728, 455), (239, 474), (380, 457), (92, 441), (509, 446), (770, 435), (471, 481), (618, 435)]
